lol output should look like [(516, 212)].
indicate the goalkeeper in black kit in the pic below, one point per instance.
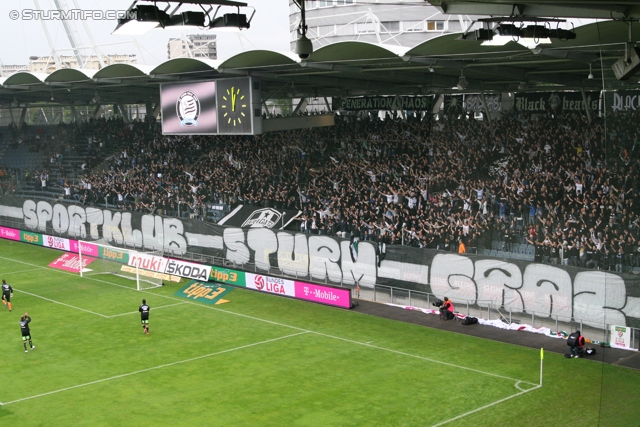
[(144, 316), (26, 332)]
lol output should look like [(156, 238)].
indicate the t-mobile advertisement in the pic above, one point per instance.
[(10, 233), (88, 249), (189, 108), (338, 297)]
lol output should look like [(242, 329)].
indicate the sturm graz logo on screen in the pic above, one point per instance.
[(188, 108)]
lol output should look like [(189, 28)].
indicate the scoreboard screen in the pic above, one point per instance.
[(224, 106)]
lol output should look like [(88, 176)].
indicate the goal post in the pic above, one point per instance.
[(98, 258)]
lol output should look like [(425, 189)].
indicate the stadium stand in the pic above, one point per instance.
[(544, 187)]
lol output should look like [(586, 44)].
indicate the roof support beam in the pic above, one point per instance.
[(484, 105), (301, 105), (96, 111), (331, 67), (459, 65), (567, 54)]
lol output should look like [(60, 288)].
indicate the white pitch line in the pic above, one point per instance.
[(423, 358), (19, 271), (61, 303), (350, 341), (517, 385), (166, 365), (92, 312), (497, 402), (209, 307), (154, 309)]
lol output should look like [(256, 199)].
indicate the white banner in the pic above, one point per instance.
[(274, 285), (148, 262), (172, 267), (56, 242), (621, 337), (474, 103), (188, 269)]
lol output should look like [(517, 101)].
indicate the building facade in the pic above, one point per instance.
[(193, 46), (6, 70), (405, 23)]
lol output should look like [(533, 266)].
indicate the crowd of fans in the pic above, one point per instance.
[(556, 181)]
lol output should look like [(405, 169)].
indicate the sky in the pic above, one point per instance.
[(24, 37)]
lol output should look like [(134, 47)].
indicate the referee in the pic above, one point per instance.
[(26, 332), (144, 316), (7, 293)]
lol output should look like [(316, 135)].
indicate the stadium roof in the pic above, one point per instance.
[(594, 9), (354, 68)]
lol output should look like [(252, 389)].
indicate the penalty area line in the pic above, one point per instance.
[(153, 368), (61, 303), (482, 408), (154, 309)]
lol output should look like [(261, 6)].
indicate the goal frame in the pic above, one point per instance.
[(144, 279)]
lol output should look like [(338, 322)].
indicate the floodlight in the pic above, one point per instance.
[(532, 43), (230, 22), (482, 34), (188, 19), (146, 19), (498, 41)]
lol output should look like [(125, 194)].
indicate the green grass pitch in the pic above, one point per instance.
[(263, 360)]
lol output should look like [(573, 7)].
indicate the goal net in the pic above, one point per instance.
[(138, 266)]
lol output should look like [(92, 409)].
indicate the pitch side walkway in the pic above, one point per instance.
[(628, 359)]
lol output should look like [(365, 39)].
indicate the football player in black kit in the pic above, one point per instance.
[(144, 316), (26, 332), (7, 293)]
